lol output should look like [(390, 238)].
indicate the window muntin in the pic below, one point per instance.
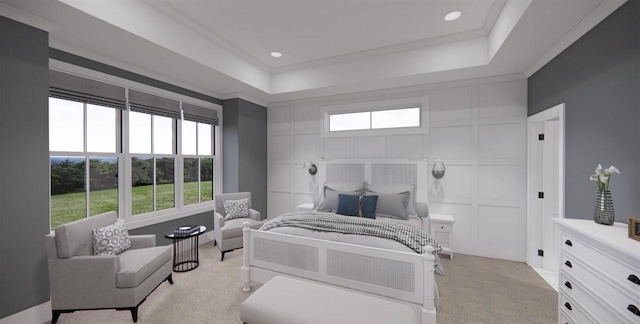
[(375, 119)]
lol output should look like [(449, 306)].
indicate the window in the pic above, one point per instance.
[(152, 148), (84, 160), (197, 150), (378, 119), (90, 121)]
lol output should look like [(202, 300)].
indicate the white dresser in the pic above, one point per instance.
[(599, 275)]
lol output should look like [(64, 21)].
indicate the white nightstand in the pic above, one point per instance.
[(305, 207), (442, 231)]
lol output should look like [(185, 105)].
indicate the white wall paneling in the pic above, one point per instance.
[(478, 129), (337, 148)]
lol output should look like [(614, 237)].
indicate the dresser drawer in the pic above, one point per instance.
[(572, 311), (592, 298), (619, 272)]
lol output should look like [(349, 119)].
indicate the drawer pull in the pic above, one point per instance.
[(568, 242), (568, 306), (568, 264), (634, 310), (634, 279), (568, 285)]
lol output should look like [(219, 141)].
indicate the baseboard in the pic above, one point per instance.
[(36, 314), (204, 238)]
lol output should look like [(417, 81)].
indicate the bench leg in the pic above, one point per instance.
[(222, 257)]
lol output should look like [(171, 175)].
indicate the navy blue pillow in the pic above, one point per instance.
[(349, 205)]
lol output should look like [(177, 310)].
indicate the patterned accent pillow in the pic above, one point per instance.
[(236, 208), (111, 240)]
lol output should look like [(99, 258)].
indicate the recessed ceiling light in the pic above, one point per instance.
[(276, 54), (452, 16)]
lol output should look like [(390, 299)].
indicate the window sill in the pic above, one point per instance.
[(148, 219)]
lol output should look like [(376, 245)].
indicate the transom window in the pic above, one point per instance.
[(376, 119)]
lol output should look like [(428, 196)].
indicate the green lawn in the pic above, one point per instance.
[(69, 207)]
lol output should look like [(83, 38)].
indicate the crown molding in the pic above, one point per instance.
[(594, 18), (172, 13), (245, 97), (27, 18)]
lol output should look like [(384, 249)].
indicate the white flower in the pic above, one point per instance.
[(602, 177), (599, 170), (612, 169)]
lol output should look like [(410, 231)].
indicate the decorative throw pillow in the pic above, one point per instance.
[(330, 201), (392, 205), (111, 240), (361, 206), (236, 208)]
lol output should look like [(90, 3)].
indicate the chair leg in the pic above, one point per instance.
[(222, 258), (170, 278), (54, 316), (134, 314)]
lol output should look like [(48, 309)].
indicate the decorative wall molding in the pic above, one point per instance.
[(478, 130)]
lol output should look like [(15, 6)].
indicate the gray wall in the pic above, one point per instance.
[(24, 166), (598, 78), (245, 150)]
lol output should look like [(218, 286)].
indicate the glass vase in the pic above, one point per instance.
[(603, 208)]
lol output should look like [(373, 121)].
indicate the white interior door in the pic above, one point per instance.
[(550, 187)]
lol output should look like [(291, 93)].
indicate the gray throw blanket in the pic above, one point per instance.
[(409, 235)]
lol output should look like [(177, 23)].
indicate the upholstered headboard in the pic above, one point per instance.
[(378, 173)]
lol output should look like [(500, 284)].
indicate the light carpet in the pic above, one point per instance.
[(473, 290)]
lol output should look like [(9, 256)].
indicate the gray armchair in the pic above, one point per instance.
[(228, 233), (81, 281)]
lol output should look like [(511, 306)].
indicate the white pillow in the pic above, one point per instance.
[(111, 240), (394, 189), (236, 208)]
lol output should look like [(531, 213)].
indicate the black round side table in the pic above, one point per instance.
[(185, 246)]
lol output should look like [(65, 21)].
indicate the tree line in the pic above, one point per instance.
[(68, 176)]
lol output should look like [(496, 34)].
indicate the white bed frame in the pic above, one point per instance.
[(404, 277)]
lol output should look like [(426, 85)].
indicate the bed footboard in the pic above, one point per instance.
[(400, 276)]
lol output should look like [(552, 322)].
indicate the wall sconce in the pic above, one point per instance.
[(313, 169), (438, 169)]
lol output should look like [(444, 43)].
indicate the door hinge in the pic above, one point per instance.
[(540, 137), (541, 195), (541, 253)]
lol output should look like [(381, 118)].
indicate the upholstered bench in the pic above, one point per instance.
[(284, 300)]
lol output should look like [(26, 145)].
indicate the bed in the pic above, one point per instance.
[(388, 270)]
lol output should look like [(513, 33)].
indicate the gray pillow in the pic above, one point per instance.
[(392, 205), (330, 201)]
